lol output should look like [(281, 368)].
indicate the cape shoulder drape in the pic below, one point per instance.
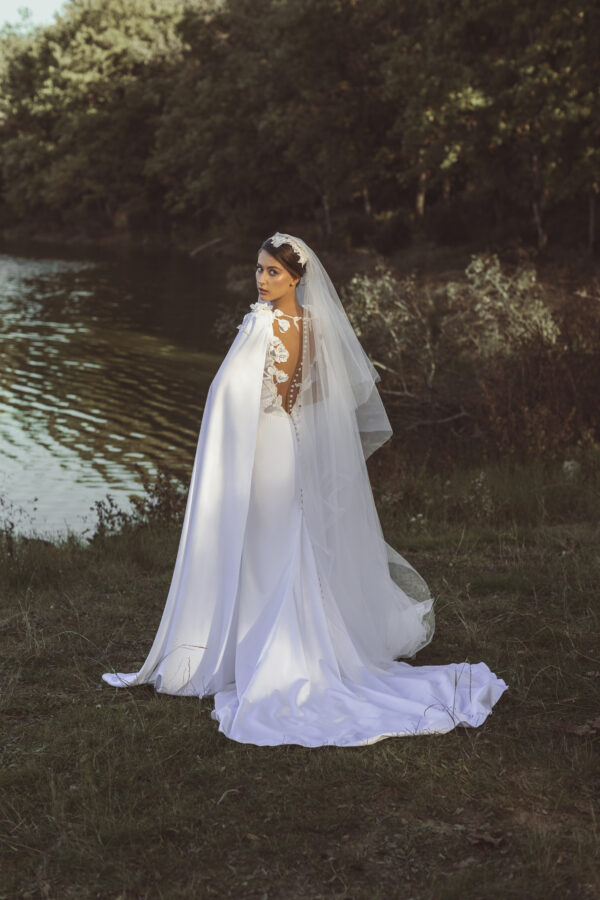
[(192, 635)]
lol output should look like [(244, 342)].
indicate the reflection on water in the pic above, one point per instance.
[(105, 365)]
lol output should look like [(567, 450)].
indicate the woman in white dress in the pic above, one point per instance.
[(286, 602)]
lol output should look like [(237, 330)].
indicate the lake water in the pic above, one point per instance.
[(105, 363)]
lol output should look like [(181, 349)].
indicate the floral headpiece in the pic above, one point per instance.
[(278, 239)]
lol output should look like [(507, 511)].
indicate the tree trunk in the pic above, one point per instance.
[(592, 220), (537, 204), (539, 225), (420, 201), (420, 204), (367, 201), (326, 213)]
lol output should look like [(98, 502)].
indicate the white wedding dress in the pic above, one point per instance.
[(247, 618)]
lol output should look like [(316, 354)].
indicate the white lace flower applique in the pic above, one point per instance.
[(283, 323), (278, 374), (279, 351), (261, 306), (278, 239)]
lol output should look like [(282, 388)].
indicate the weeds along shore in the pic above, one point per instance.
[(136, 794)]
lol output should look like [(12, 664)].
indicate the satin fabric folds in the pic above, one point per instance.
[(255, 613), (191, 647)]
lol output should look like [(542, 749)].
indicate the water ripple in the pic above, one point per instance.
[(86, 393)]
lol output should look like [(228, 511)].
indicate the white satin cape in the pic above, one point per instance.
[(303, 678)]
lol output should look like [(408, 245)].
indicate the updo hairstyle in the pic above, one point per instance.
[(286, 255)]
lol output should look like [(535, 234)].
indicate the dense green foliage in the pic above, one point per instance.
[(375, 118)]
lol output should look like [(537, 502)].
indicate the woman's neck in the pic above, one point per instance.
[(288, 305)]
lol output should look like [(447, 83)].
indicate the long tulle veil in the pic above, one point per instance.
[(341, 420)]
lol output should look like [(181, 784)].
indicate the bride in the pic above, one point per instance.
[(286, 603)]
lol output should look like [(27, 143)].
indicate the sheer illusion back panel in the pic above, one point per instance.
[(289, 330)]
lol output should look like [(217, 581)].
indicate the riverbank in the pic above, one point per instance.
[(110, 793), (568, 269), (237, 250), (499, 365)]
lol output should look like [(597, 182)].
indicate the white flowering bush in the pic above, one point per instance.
[(490, 356), (395, 320), (495, 313), (415, 331)]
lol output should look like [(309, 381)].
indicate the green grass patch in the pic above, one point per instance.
[(132, 794)]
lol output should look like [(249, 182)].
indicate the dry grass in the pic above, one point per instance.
[(132, 794)]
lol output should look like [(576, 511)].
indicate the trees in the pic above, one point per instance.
[(80, 101), (497, 100), (127, 112), (210, 154), (276, 112)]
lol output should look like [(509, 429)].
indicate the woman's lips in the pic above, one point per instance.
[(261, 291)]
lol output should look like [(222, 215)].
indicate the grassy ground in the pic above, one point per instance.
[(131, 794)]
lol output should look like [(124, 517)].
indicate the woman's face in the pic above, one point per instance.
[(273, 281)]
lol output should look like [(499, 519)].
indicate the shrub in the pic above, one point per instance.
[(492, 357), (163, 501)]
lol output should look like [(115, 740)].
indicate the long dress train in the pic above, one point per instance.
[(277, 655), (298, 677)]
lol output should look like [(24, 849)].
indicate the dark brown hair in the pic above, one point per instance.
[(286, 255)]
